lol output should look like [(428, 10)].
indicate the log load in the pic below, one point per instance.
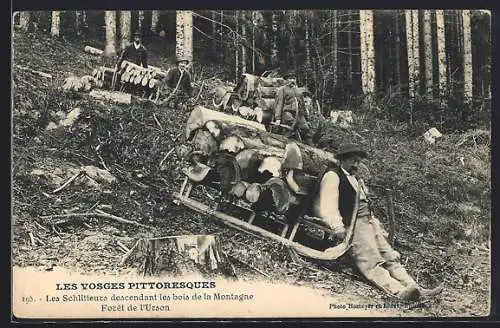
[(268, 171), (235, 134)]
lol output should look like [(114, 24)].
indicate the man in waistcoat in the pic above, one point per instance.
[(339, 195)]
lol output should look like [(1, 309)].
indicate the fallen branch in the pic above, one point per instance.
[(73, 178), (127, 255), (97, 213), (198, 95), (24, 68), (122, 246), (166, 156), (157, 122)]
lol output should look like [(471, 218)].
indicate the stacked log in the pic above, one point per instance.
[(133, 74), (254, 97), (252, 164), (75, 83), (103, 76)]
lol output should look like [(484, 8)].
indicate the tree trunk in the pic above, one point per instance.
[(56, 22), (367, 52), (397, 52), (334, 46), (24, 20), (78, 22), (184, 35), (125, 21), (110, 19), (274, 39), (307, 45), (140, 20), (349, 47), (429, 69), (467, 55), (221, 38), (416, 49), (236, 47), (412, 57), (243, 47), (155, 17), (254, 22), (441, 53), (214, 34)]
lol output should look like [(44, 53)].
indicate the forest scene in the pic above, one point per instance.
[(101, 146)]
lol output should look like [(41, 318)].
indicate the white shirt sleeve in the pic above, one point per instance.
[(326, 206)]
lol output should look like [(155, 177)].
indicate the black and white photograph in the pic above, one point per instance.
[(326, 163)]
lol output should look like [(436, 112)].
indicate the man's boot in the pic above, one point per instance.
[(431, 292), (411, 293)]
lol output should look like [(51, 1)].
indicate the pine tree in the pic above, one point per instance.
[(467, 55), (110, 19), (56, 22), (184, 35), (367, 52), (125, 21), (429, 69), (441, 53), (155, 17)]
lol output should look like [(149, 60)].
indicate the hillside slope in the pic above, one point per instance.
[(442, 198)]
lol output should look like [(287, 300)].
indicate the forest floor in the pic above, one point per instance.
[(129, 143)]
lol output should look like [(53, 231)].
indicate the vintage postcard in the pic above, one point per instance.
[(251, 164)]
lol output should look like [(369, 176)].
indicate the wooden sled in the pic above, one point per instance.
[(287, 234)]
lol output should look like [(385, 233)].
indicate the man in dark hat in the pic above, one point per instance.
[(340, 194), (135, 53), (178, 79), (290, 109)]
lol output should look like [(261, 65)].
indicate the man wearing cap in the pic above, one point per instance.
[(179, 79), (340, 194), (135, 53), (290, 108)]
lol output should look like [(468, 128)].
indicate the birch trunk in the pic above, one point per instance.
[(334, 46), (367, 52), (467, 55), (349, 47), (429, 69), (214, 33), (125, 21), (413, 57), (24, 20), (274, 39), (308, 49), (441, 53), (243, 48), (141, 20), (56, 22), (416, 49), (221, 52), (155, 18), (397, 52), (236, 47), (184, 35), (254, 22), (110, 19)]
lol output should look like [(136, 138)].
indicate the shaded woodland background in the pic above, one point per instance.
[(431, 66)]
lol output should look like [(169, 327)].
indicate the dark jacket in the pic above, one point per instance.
[(172, 78), (137, 56), (289, 99)]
